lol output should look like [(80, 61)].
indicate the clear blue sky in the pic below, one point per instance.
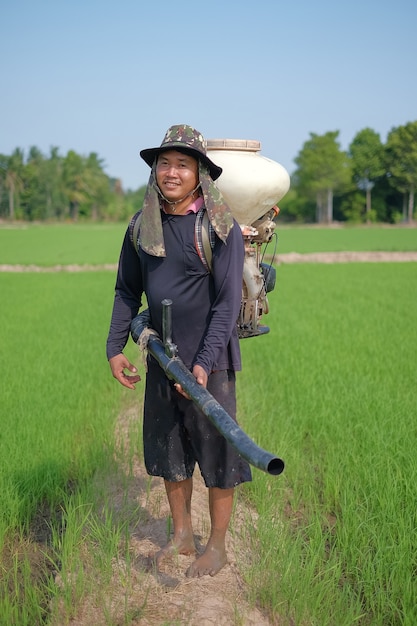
[(111, 77)]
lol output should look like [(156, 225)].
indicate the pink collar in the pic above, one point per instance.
[(196, 205)]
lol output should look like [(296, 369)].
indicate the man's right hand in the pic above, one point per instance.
[(118, 364)]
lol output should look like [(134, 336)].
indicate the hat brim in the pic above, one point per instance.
[(149, 155)]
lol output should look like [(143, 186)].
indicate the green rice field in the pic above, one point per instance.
[(332, 389), (56, 244)]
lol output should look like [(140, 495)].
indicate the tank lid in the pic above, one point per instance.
[(234, 144)]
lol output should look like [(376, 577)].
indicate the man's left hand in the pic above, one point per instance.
[(201, 377)]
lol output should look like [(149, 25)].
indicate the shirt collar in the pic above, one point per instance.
[(196, 205)]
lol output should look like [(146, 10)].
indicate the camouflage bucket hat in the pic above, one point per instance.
[(185, 139), (189, 140)]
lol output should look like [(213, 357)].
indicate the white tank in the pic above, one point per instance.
[(250, 183)]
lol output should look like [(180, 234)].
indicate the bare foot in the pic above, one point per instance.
[(209, 563), (183, 545)]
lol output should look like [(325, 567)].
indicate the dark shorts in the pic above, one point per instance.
[(177, 435)]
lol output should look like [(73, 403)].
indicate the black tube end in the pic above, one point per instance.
[(275, 467), (139, 323)]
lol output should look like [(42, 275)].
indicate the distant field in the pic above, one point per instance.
[(61, 244), (64, 244), (351, 239)]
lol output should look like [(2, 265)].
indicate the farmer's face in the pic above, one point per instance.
[(176, 174)]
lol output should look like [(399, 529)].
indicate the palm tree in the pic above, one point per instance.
[(13, 180), (97, 184)]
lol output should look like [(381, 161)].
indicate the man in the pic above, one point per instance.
[(205, 307)]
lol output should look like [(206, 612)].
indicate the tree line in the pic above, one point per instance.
[(54, 187), (370, 182)]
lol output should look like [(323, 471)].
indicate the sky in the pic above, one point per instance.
[(112, 77)]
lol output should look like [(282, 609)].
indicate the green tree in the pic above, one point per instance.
[(322, 169), (133, 201), (3, 170), (54, 185), (14, 179), (120, 203), (34, 195), (74, 183), (295, 208), (367, 155), (97, 185), (401, 151)]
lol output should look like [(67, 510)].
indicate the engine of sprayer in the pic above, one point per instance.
[(252, 185)]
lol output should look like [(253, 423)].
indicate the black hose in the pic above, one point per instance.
[(176, 370)]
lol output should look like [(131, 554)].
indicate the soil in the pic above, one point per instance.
[(291, 257), (348, 257), (140, 595)]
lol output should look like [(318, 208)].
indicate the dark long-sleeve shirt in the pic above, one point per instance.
[(205, 305)]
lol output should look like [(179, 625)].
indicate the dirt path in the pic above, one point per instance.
[(348, 257), (291, 257), (137, 596)]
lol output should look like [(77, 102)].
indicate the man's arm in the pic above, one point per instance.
[(127, 302)]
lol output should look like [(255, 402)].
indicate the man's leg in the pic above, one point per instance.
[(179, 498), (214, 556)]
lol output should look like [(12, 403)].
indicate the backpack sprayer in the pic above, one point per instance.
[(251, 185)]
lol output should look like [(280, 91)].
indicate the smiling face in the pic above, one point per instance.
[(176, 175)]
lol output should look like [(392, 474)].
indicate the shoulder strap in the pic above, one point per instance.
[(204, 238), (134, 226)]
